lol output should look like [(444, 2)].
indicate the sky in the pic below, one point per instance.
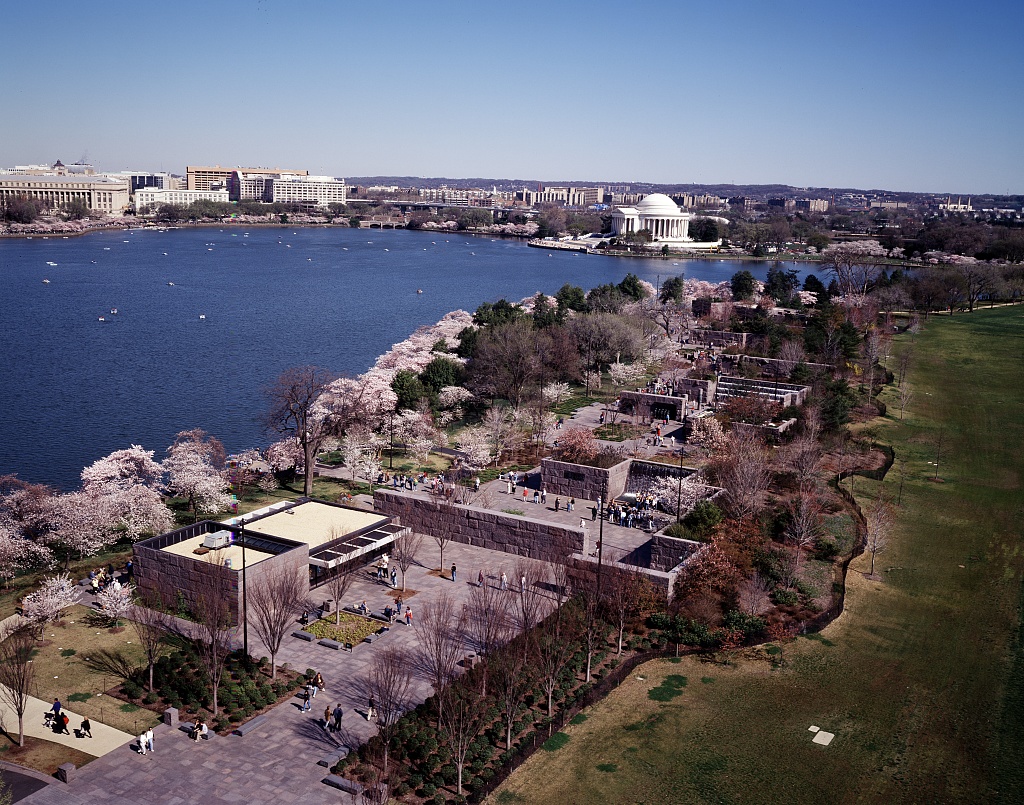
[(912, 95)]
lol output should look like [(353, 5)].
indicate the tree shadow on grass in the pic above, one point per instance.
[(113, 663)]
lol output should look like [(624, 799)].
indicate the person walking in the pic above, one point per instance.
[(408, 616), (55, 708), (371, 710), (394, 578), (526, 492), (338, 713), (480, 579), (149, 741), (572, 503), (504, 580), (522, 584), (307, 702), (558, 504), (453, 572), (536, 497), (142, 743), (327, 718), (86, 728), (64, 720), (318, 684), (544, 497)]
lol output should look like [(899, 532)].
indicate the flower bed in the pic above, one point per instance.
[(352, 629)]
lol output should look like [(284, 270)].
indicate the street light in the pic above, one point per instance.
[(600, 537), (245, 590)]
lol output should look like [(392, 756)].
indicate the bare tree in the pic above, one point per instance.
[(513, 679), (390, 683), (879, 523), (272, 604), (151, 626), (803, 459), (404, 550), (586, 606), (442, 537), (439, 629), (17, 674), (745, 473), (531, 601), (756, 592), (906, 397), (297, 408), (213, 629), (487, 624), (627, 591), (804, 526), (553, 652), (462, 717), (339, 581)]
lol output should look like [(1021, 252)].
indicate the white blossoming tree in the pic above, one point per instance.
[(627, 374), (82, 524), (555, 393), (117, 601), (129, 481), (191, 475), (18, 553), (476, 444), (708, 435), (675, 496), (47, 604)]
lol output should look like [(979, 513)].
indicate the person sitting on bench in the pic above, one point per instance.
[(199, 730)]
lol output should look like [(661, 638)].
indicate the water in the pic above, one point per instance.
[(75, 388)]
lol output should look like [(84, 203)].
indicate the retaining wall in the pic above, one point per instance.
[(471, 525), (582, 482)]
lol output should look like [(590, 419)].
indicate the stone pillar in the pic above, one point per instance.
[(171, 717), (66, 772)]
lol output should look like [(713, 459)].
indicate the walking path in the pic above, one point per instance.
[(104, 739)]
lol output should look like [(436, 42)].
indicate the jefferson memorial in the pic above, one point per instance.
[(661, 216)]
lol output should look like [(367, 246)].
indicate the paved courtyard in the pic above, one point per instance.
[(278, 762)]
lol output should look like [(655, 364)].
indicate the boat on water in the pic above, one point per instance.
[(113, 311), (419, 290), (170, 283), (46, 282), (50, 263), (202, 315), (102, 319)]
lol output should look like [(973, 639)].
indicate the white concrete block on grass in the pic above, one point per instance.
[(823, 738)]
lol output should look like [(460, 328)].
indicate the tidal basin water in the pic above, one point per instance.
[(207, 318)]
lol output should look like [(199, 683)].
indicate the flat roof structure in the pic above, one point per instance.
[(313, 522), (229, 556)]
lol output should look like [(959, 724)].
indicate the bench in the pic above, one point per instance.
[(187, 729), (339, 782), (380, 616), (328, 760), (330, 643), (370, 638), (353, 610), (309, 638), (244, 729)]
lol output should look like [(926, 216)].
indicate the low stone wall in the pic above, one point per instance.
[(667, 553), (664, 583), (582, 482), (471, 525)]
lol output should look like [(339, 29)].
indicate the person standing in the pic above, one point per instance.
[(318, 682), (394, 578), (453, 572), (593, 513), (544, 497), (371, 710), (307, 703), (504, 580), (149, 741), (522, 584), (476, 484), (86, 728), (142, 743), (408, 616), (338, 713), (583, 522), (572, 503), (558, 504), (480, 579)]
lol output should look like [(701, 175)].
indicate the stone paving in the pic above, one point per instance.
[(278, 761)]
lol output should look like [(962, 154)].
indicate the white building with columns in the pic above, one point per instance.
[(661, 216)]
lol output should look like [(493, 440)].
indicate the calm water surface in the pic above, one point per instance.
[(75, 388)]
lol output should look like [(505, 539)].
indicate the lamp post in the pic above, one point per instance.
[(245, 590), (600, 537), (679, 486)]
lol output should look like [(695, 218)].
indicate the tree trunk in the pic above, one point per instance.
[(619, 650), (550, 692), (508, 735), (273, 665), (21, 729), (307, 481), (151, 677)]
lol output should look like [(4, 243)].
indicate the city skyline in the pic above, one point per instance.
[(914, 98)]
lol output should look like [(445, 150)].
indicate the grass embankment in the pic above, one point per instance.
[(919, 678)]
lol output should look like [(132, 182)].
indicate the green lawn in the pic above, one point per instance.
[(921, 679)]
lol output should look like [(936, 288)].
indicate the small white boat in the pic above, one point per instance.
[(102, 319), (202, 315), (165, 254), (387, 250), (113, 311), (288, 245), (344, 248), (46, 282), (50, 263), (126, 241), (209, 250), (106, 248), (170, 283), (419, 290)]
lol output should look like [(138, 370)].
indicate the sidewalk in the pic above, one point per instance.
[(105, 739)]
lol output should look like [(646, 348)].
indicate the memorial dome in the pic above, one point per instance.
[(657, 204)]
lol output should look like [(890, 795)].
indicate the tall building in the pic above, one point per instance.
[(312, 191), (205, 177), (149, 196)]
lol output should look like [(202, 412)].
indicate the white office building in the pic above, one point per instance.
[(149, 196), (312, 191)]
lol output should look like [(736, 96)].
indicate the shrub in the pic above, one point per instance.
[(427, 791), (555, 742), (131, 690), (825, 549), (784, 598)]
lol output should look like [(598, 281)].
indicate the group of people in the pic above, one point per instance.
[(56, 719), (314, 684), (410, 482), (382, 566), (101, 578), (630, 516)]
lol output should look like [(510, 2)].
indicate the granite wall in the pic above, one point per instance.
[(471, 525), (582, 482)]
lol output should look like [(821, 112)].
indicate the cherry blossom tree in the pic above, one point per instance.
[(117, 601), (577, 444), (627, 374), (82, 524), (47, 604), (555, 393), (475, 443), (29, 507), (708, 435), (123, 469), (286, 454), (681, 496), (193, 475), (854, 265), (18, 554)]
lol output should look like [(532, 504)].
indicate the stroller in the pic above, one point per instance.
[(48, 719)]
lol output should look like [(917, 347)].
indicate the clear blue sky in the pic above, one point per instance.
[(919, 95)]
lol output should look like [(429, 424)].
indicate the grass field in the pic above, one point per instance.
[(921, 679)]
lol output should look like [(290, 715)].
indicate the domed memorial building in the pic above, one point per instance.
[(661, 216)]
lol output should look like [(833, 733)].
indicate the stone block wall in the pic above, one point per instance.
[(582, 482), (158, 572), (669, 552), (471, 525)]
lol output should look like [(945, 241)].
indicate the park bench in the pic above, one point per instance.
[(309, 638), (370, 638), (334, 644), (328, 760), (339, 782), (380, 616), (187, 729), (249, 726)]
